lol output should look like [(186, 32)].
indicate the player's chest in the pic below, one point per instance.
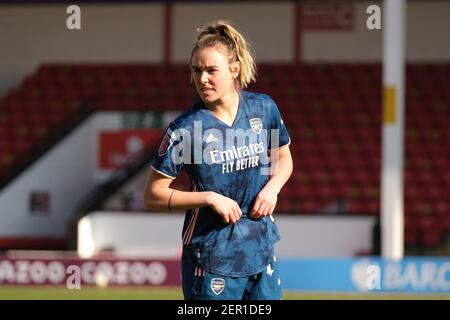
[(220, 149)]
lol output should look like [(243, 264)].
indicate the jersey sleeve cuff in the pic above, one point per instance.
[(164, 174), (286, 144)]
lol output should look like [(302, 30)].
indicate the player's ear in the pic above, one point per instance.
[(235, 69)]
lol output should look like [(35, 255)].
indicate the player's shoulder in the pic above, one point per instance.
[(257, 96), (258, 101)]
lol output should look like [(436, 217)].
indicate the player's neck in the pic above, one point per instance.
[(226, 108)]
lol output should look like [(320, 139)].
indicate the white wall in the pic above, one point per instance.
[(67, 172), (134, 185), (361, 44), (428, 31), (324, 236), (159, 234), (130, 234), (103, 121), (31, 35), (267, 26), (427, 36)]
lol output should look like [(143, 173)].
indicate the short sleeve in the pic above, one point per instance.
[(169, 159), (279, 135)]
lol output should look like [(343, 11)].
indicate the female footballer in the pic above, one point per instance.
[(235, 148)]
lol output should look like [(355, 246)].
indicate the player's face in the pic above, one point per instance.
[(214, 77)]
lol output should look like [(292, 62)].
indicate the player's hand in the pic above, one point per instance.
[(226, 208), (265, 203)]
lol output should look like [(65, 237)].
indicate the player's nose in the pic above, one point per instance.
[(204, 77)]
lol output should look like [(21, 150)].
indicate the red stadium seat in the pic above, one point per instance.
[(333, 113)]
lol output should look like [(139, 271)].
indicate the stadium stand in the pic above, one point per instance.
[(333, 112)]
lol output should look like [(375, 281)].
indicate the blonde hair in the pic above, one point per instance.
[(238, 49)]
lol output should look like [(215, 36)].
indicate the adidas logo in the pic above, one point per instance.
[(210, 138)]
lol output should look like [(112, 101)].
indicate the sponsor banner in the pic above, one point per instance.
[(100, 272), (116, 147), (415, 275), (327, 16)]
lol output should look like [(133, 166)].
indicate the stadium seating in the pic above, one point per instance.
[(333, 112)]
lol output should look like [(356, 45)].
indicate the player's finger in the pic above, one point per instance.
[(225, 218), (235, 216), (257, 214), (255, 208), (264, 209), (231, 216), (239, 210), (272, 209)]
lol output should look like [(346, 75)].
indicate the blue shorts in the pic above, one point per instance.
[(199, 284)]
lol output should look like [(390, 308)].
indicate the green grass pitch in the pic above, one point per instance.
[(172, 293)]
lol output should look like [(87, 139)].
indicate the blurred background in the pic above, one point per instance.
[(87, 91)]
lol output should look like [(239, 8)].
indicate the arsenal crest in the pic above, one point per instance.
[(217, 285), (256, 125)]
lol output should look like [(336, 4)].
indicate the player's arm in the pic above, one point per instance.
[(281, 170), (158, 193)]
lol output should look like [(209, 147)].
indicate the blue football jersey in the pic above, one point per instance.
[(232, 161)]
